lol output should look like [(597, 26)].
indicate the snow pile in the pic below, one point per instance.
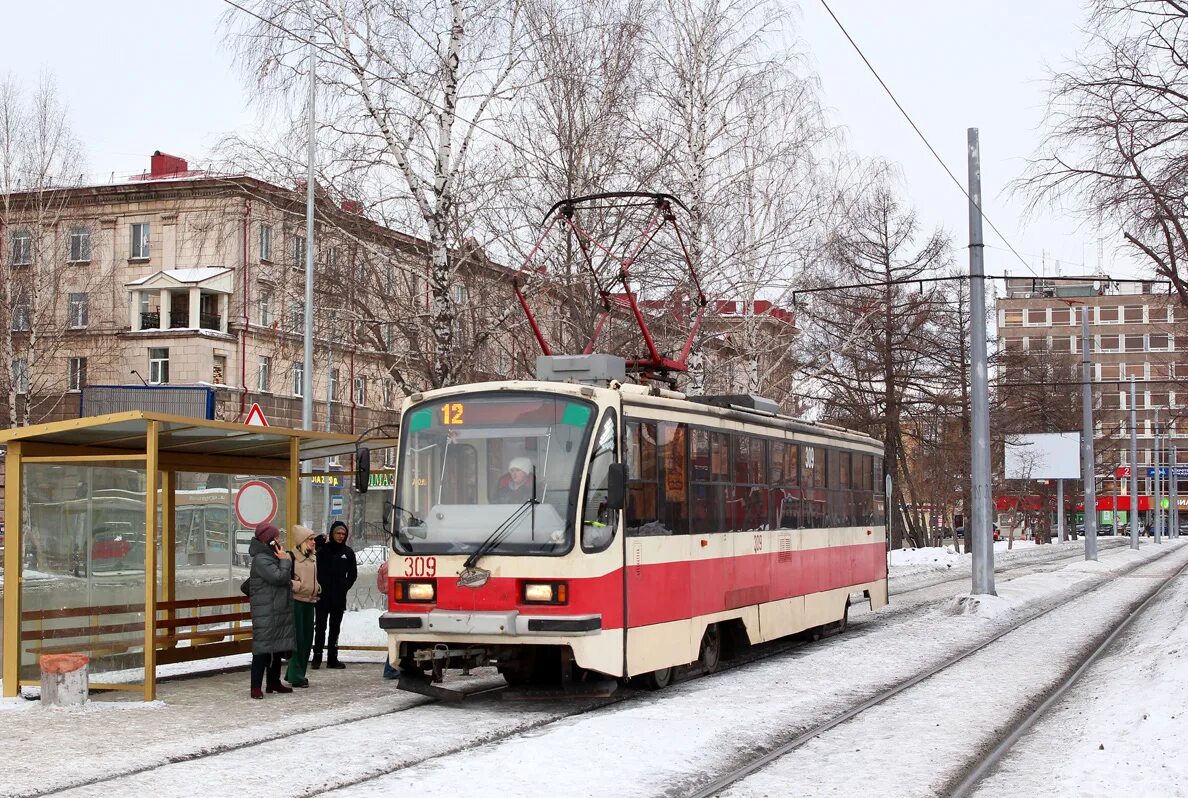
[(979, 606), (361, 628), (936, 556)]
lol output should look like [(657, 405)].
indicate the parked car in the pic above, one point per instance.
[(960, 532)]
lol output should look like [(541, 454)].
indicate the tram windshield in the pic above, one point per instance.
[(484, 468)]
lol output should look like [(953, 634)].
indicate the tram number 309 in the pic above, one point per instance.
[(420, 566)]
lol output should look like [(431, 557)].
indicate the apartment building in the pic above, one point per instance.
[(182, 277), (1136, 330)]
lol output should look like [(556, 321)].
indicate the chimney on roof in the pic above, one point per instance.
[(164, 165), (352, 206)]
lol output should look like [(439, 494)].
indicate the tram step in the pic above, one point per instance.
[(464, 690)]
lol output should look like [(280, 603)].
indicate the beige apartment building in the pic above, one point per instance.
[(185, 278), (1136, 330)]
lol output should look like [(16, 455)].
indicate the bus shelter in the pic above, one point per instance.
[(127, 535)]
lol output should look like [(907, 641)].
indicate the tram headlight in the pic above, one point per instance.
[(546, 593), (418, 591)]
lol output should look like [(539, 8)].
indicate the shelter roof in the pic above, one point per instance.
[(177, 434)]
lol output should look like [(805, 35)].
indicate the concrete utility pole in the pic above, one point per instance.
[(1134, 516), (307, 374), (1158, 525), (1060, 511), (978, 527), (1090, 490)]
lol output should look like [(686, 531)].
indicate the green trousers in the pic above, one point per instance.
[(303, 626)]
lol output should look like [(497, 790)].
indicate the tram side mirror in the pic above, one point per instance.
[(616, 489), (362, 469)]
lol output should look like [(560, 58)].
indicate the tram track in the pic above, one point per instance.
[(968, 779), (750, 656), (1020, 725)]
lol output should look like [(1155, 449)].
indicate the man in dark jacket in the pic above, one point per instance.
[(271, 593), (337, 571)]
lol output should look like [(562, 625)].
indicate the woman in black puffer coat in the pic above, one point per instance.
[(270, 588)]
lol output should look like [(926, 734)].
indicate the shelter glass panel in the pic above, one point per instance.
[(84, 578)]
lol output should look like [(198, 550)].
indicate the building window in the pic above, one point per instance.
[(78, 373), (1061, 316), (1133, 314), (22, 248), (1136, 370), (1108, 343), (1109, 372), (20, 375), (1160, 342), (459, 295), (77, 311), (1037, 317), (298, 372), (333, 385), (360, 390), (1012, 317), (79, 245), (389, 392), (158, 367), (264, 384), (298, 251), (297, 317), (20, 317), (1107, 314), (140, 241), (265, 242), (332, 256), (1012, 344), (265, 308), (1134, 343), (219, 371), (1061, 344)]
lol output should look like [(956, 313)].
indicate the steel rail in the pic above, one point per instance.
[(720, 783), (979, 771)]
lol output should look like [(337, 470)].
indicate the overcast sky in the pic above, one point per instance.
[(141, 75)]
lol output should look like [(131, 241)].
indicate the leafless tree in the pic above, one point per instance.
[(733, 113), (1116, 145), (52, 294), (876, 348), (409, 94)]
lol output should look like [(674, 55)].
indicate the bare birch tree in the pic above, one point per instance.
[(49, 278), (409, 93)]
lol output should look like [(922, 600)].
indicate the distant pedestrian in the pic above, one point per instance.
[(381, 584), (271, 593), (305, 596), (337, 572)]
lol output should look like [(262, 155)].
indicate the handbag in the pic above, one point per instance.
[(245, 587)]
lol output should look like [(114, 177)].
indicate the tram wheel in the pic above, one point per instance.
[(711, 649), (658, 680)]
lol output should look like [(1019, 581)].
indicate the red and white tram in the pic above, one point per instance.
[(645, 530)]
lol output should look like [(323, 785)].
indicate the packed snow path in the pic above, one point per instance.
[(382, 741)]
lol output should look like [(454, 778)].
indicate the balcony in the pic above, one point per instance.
[(150, 321), (185, 299)]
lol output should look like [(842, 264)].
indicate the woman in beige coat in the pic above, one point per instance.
[(305, 597)]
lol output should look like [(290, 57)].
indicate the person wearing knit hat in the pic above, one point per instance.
[(305, 595), (515, 487), (337, 572), (271, 595)]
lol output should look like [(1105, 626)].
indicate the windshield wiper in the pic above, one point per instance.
[(500, 533)]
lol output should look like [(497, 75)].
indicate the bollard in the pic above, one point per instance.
[(64, 680)]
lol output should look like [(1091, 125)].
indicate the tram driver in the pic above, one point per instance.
[(515, 487)]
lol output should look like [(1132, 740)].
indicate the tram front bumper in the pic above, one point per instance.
[(511, 623)]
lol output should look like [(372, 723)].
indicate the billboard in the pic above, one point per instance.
[(1047, 455)]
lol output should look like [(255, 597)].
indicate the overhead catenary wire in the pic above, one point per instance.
[(924, 138)]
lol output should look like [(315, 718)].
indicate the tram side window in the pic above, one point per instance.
[(863, 489), (812, 482), (710, 461), (749, 503), (785, 491), (880, 496), (674, 477), (840, 488), (642, 486), (598, 520)]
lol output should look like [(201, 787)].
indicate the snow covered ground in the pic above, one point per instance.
[(205, 731)]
